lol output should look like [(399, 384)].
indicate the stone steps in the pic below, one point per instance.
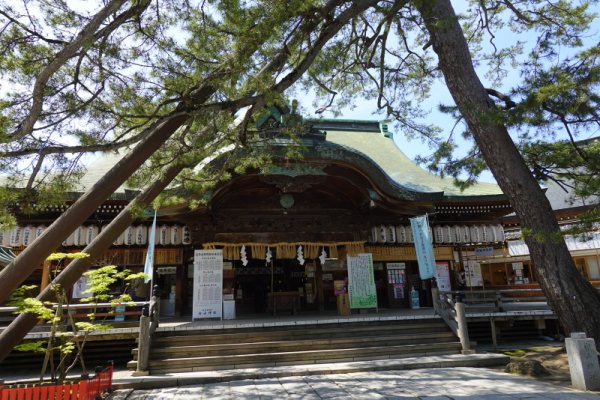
[(298, 332), (298, 345)]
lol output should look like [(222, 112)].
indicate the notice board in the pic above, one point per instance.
[(442, 276), (208, 284), (361, 281)]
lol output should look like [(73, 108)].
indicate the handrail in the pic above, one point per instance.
[(75, 306), (149, 321), (444, 307), (453, 313)]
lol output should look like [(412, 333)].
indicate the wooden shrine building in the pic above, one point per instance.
[(290, 231)]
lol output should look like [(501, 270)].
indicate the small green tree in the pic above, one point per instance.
[(67, 338)]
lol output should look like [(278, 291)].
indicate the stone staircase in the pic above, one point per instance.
[(234, 348)]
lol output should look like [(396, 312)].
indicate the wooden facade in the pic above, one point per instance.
[(351, 180)]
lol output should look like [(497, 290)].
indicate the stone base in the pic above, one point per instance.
[(583, 362)]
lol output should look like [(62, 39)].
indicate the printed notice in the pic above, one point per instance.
[(361, 281), (208, 284)]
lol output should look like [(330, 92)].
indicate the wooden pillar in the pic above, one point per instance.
[(180, 283), (463, 332), (45, 275), (319, 287), (494, 333)]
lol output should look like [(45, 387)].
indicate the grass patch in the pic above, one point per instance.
[(515, 353)]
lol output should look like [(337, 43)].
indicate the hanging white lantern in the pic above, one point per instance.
[(475, 232), (268, 256), (164, 237), (438, 234), (39, 230), (382, 234), (465, 234), (16, 237), (79, 236), (458, 234), (409, 235), (90, 233), (374, 234), (487, 234), (70, 240), (449, 234), (141, 235), (400, 234), (186, 235), (120, 239), (6, 237), (391, 234), (129, 236), (28, 235), (176, 235), (499, 229)]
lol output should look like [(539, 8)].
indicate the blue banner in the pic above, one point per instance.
[(423, 246), (149, 264)]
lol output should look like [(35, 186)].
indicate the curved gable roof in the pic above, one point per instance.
[(385, 153)]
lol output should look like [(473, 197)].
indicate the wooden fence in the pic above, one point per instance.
[(86, 389)]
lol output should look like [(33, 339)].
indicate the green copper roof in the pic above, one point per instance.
[(367, 144), (6, 256), (385, 153)]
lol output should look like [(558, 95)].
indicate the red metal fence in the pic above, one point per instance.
[(86, 389)]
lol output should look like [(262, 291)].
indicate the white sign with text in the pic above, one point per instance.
[(208, 284)]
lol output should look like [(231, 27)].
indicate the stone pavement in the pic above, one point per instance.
[(425, 384), (123, 379)]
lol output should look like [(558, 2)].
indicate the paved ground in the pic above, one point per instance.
[(430, 384)]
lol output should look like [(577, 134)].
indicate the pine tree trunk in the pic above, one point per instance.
[(574, 300), (23, 323), (30, 259)]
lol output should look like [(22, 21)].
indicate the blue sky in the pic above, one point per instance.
[(415, 147)]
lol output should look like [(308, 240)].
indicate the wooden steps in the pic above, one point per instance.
[(199, 350)]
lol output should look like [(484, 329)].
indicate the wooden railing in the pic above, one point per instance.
[(82, 310), (86, 389), (454, 314), (444, 306), (504, 299), (149, 321)]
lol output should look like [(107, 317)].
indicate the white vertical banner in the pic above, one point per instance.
[(423, 246), (79, 287), (208, 284), (149, 264)]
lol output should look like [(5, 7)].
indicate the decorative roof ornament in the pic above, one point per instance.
[(243, 256), (300, 257)]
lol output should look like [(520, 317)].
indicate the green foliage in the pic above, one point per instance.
[(126, 77), (574, 167), (37, 346), (70, 341)]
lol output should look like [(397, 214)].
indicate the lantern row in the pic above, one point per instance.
[(449, 234), (165, 235)]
